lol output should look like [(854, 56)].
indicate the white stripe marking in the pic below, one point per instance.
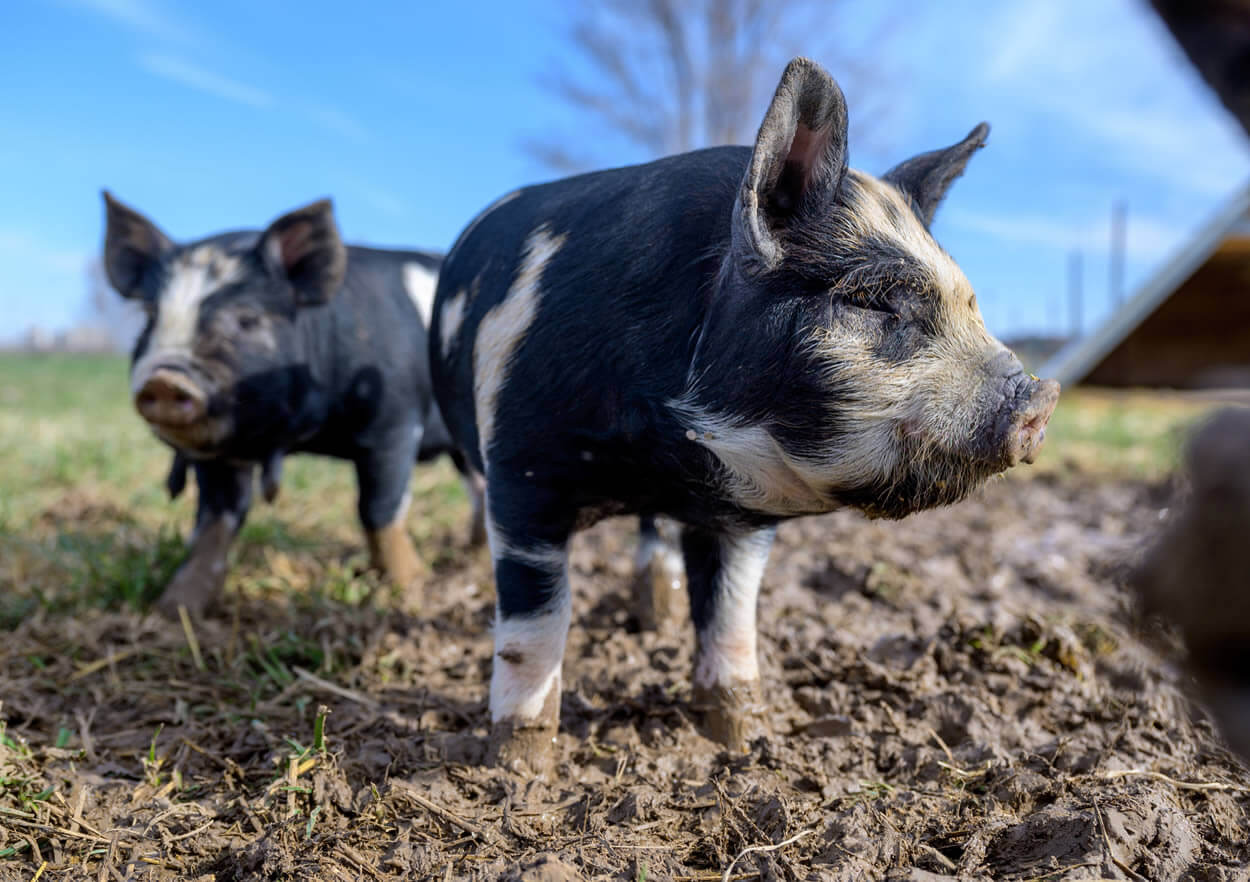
[(420, 283)]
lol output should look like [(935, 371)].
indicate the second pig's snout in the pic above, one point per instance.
[(171, 398)]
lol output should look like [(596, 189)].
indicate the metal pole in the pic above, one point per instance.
[(1074, 292), (1119, 213)]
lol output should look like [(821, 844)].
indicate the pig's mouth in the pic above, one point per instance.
[(178, 409), (929, 476), (1026, 429)]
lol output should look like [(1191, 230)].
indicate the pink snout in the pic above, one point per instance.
[(170, 398), (1028, 426)]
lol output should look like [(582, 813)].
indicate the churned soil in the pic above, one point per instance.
[(966, 694)]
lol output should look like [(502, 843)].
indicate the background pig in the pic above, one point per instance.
[(260, 344), (730, 337)]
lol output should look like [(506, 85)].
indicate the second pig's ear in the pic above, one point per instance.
[(304, 248), (134, 250)]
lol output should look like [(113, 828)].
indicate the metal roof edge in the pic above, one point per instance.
[(1074, 361)]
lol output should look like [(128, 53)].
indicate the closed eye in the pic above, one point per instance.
[(248, 321)]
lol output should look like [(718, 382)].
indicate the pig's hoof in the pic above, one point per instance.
[(392, 554), (527, 749), (189, 588), (660, 586), (730, 715)]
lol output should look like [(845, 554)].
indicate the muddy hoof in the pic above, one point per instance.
[(730, 715), (525, 749), (392, 554), (660, 586), (192, 589)]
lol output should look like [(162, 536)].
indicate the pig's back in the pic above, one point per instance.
[(616, 266)]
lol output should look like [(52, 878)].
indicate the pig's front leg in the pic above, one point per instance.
[(723, 572), (532, 612), (383, 474), (225, 494), (658, 577)]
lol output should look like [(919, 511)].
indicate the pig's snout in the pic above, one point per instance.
[(1027, 428), (170, 398)]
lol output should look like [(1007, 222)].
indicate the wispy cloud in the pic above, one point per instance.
[(1132, 97), (336, 121), (141, 16), (193, 76), (1145, 238), (34, 252), (177, 69)]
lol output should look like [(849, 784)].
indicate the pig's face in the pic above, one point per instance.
[(219, 359), (892, 395)]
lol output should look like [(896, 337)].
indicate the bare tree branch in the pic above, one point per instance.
[(667, 76)]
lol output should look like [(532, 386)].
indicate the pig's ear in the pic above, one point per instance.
[(798, 161), (304, 248), (133, 248), (926, 178)]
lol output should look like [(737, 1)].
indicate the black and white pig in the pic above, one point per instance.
[(730, 337), (264, 343)]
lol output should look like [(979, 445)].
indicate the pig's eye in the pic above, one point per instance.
[(248, 321), (871, 302)]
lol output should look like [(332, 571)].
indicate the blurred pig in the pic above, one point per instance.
[(260, 344), (730, 337), (1196, 574)]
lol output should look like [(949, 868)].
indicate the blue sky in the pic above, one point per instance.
[(412, 115)]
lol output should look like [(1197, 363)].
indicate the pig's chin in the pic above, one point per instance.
[(933, 482), (203, 438)]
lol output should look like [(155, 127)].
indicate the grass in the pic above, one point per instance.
[(85, 522)]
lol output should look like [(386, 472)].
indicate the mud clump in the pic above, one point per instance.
[(959, 695)]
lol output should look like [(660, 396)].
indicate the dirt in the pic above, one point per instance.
[(964, 694)]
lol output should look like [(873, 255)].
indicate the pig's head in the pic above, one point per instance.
[(219, 360), (851, 363)]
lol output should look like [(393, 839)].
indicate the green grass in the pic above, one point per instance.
[(1136, 433), (85, 522)]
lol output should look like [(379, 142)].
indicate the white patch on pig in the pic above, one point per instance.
[(727, 654), (502, 200), (760, 475), (502, 330), (529, 649), (868, 199), (450, 320), (192, 278), (420, 282)]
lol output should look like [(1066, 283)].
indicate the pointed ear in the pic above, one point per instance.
[(926, 178), (133, 248), (304, 248), (798, 161)]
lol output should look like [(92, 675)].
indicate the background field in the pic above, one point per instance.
[(961, 693)]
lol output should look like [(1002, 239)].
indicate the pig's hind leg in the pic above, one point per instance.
[(723, 573), (225, 495), (383, 474), (658, 577)]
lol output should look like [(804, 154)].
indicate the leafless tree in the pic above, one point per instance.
[(666, 76), (117, 317)]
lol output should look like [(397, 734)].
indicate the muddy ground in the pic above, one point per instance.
[(959, 695)]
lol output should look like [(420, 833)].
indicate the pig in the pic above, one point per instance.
[(1195, 573), (729, 337), (263, 343)]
